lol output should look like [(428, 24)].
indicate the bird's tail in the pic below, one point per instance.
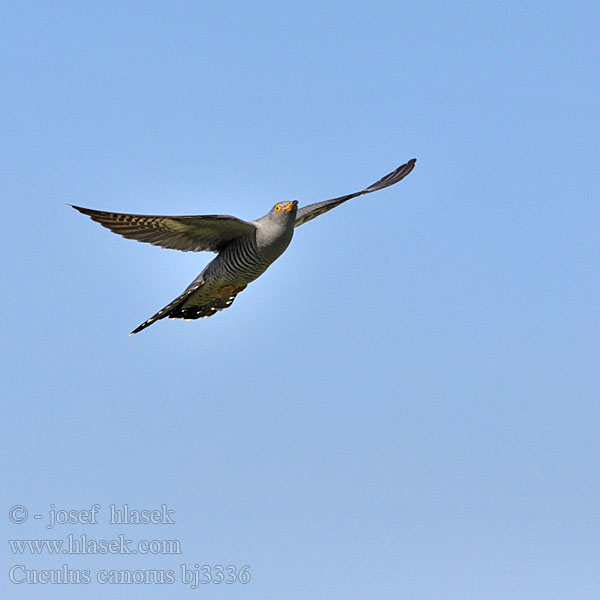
[(163, 312), (195, 303)]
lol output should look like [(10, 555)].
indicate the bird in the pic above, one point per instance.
[(245, 249)]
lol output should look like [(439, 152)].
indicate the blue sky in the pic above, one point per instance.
[(406, 404)]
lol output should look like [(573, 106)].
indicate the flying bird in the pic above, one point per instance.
[(245, 249)]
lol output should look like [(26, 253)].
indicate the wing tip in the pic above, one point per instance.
[(408, 164), (84, 211)]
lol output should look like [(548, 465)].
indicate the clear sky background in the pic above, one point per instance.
[(406, 405)]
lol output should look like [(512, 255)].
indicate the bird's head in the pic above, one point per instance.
[(276, 228), (284, 210)]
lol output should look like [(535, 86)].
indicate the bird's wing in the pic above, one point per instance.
[(307, 213), (210, 232)]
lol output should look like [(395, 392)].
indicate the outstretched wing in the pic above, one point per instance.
[(307, 213), (210, 232)]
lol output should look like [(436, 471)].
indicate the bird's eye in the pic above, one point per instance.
[(277, 207)]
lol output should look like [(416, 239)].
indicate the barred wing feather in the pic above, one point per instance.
[(307, 213), (189, 234)]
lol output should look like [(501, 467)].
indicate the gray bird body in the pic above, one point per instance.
[(245, 249), (242, 261)]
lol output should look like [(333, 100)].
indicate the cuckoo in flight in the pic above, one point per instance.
[(245, 248)]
